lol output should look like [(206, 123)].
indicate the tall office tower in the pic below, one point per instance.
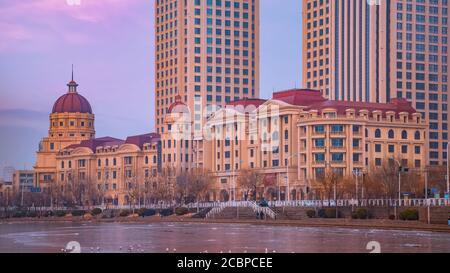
[(207, 53), (377, 50)]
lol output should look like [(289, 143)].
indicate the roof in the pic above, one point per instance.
[(72, 103), (97, 142), (140, 140), (396, 105), (299, 97), (247, 102)]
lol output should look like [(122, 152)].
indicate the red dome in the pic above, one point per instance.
[(72, 103)]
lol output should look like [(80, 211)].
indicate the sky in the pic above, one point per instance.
[(110, 44)]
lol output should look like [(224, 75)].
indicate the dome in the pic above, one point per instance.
[(179, 106), (72, 102)]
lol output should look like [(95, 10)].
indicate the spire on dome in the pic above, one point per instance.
[(72, 84)]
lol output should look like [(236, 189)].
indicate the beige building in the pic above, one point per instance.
[(207, 53), (110, 171), (23, 180), (71, 122), (298, 135), (376, 51)]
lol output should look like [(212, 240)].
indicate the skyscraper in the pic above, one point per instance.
[(207, 54), (375, 51)]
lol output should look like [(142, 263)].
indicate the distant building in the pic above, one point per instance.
[(376, 51), (7, 174), (23, 180)]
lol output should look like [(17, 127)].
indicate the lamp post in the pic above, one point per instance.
[(400, 169), (357, 173)]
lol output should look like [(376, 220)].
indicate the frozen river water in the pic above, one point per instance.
[(195, 238)]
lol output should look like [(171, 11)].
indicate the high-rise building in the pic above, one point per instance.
[(206, 53), (375, 51)]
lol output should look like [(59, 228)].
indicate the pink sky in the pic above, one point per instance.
[(110, 43)]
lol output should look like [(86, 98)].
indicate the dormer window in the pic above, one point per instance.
[(329, 114)]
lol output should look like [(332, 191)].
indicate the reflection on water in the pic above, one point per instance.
[(197, 237)]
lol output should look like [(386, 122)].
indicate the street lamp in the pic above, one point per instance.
[(400, 170), (357, 173)]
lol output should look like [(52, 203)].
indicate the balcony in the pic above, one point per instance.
[(337, 133)]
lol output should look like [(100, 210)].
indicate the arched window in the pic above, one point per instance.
[(275, 136), (377, 133), (286, 135), (99, 163), (417, 135), (391, 134), (404, 134), (366, 133), (146, 160)]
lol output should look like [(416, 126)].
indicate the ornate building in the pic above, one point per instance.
[(298, 135), (71, 122), (109, 170)]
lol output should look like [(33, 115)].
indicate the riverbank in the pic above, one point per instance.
[(336, 223)]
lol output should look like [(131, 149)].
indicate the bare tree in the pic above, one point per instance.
[(250, 181), (326, 184)]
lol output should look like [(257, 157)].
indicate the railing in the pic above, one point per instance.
[(294, 203), (363, 203), (241, 204)]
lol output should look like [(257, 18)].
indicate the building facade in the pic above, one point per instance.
[(376, 51), (110, 171), (298, 135), (207, 53), (23, 180), (71, 122)]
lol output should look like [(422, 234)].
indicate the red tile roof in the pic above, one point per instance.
[(247, 102), (396, 105), (97, 142), (140, 140), (313, 100), (299, 97), (72, 103)]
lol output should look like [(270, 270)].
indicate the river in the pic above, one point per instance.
[(214, 238)]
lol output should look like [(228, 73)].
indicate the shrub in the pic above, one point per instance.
[(360, 213), (60, 213), (181, 211), (311, 213), (19, 214), (78, 213), (124, 213), (32, 214), (96, 211), (392, 217), (48, 213), (166, 212), (328, 213), (409, 215), (146, 212)]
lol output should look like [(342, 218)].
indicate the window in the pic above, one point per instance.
[(391, 134), (417, 135), (377, 133), (404, 134)]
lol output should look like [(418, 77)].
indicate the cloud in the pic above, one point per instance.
[(23, 118), (41, 21)]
